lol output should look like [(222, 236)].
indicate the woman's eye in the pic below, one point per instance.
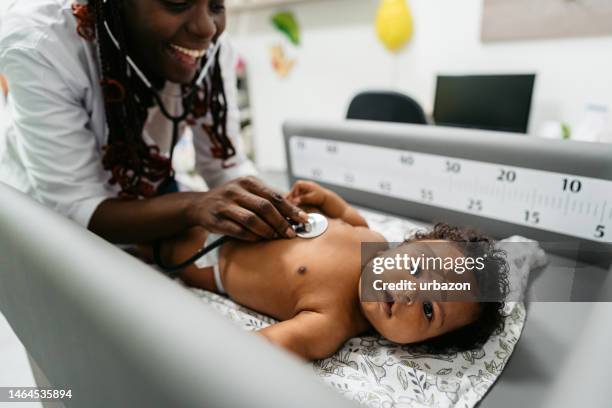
[(175, 5), (428, 310)]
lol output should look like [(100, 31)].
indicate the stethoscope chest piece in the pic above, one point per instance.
[(317, 224)]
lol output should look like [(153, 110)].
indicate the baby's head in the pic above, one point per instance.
[(443, 320)]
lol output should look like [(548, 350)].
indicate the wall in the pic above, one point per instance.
[(340, 55)]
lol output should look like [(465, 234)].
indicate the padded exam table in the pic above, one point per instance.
[(103, 324)]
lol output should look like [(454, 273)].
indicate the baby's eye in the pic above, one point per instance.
[(428, 310)]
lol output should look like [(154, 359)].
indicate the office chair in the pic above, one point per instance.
[(386, 106)]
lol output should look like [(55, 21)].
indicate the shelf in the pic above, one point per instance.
[(241, 5)]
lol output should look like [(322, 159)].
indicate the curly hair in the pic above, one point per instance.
[(495, 284)]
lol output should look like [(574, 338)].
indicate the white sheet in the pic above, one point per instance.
[(377, 373)]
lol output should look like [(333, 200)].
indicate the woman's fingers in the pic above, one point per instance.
[(233, 229), (268, 213), (246, 208), (282, 205), (250, 221)]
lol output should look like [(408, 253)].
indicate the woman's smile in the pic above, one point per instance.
[(186, 57)]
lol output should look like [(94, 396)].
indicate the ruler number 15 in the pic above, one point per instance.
[(532, 217)]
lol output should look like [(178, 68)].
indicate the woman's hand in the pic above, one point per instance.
[(246, 209)]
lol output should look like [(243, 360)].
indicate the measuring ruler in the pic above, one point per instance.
[(569, 204)]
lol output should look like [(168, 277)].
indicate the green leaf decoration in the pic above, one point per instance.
[(286, 23)]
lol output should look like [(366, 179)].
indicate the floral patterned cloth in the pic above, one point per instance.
[(378, 373)]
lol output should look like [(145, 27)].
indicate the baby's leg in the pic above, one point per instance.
[(183, 246)]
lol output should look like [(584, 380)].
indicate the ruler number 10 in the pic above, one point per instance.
[(573, 186)]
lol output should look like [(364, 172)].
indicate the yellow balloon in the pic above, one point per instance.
[(394, 23)]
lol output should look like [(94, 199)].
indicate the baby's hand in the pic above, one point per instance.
[(307, 193)]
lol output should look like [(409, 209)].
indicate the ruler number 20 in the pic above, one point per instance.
[(508, 176)]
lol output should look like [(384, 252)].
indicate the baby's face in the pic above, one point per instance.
[(413, 316)]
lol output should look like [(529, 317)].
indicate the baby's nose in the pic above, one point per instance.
[(408, 297)]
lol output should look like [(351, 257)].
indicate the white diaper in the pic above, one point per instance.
[(211, 259)]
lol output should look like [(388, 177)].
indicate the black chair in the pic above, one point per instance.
[(386, 106)]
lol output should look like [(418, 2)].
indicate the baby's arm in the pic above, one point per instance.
[(310, 335), (309, 193)]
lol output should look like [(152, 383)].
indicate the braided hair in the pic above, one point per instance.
[(134, 164)]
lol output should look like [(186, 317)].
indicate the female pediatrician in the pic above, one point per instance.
[(98, 94)]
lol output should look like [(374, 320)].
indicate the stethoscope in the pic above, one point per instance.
[(316, 225)]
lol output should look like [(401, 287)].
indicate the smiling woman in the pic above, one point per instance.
[(102, 91), (165, 36)]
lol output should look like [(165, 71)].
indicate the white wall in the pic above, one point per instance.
[(341, 55)]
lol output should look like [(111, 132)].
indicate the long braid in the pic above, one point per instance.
[(213, 98), (134, 165)]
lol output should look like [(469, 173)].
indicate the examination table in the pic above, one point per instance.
[(116, 333)]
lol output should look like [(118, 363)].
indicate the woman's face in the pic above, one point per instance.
[(167, 38)]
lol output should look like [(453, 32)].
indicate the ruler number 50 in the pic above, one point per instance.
[(453, 167)]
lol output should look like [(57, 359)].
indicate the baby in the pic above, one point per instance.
[(312, 286)]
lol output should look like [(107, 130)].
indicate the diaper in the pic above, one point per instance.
[(211, 259)]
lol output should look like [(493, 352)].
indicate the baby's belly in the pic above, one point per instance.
[(279, 277)]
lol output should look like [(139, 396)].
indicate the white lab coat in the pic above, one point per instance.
[(53, 125)]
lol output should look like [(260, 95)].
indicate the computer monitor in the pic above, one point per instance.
[(494, 102)]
